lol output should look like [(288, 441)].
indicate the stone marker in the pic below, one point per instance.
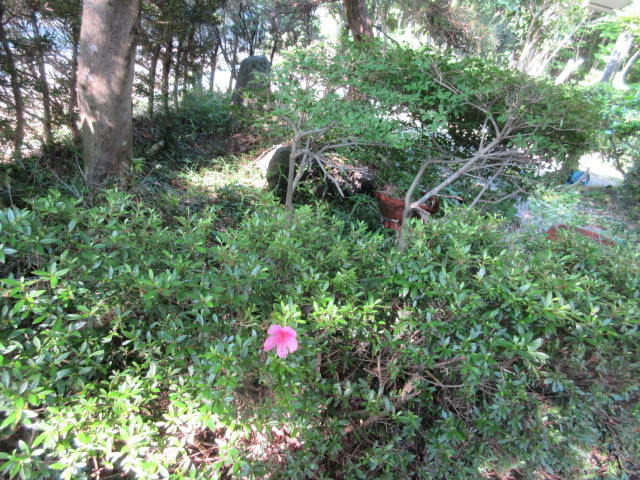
[(251, 76)]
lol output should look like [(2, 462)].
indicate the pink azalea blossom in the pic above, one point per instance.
[(284, 338)]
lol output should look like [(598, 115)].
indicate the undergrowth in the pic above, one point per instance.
[(131, 344)]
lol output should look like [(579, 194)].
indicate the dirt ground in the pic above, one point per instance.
[(602, 173)]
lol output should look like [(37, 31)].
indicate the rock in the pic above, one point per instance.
[(352, 182), (252, 76), (277, 171)]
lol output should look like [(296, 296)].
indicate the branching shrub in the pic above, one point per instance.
[(461, 120)]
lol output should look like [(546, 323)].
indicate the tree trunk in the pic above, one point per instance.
[(622, 74), (167, 57), (214, 65), (186, 61), (232, 65), (231, 62), (357, 19), (105, 82), (72, 117), (176, 71), (620, 52), (274, 48), (44, 84), (153, 64), (18, 100), (572, 66)]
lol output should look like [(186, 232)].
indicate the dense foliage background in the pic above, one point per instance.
[(133, 315)]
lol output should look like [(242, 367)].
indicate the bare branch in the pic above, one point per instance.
[(486, 186)]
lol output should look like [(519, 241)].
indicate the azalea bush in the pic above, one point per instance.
[(133, 344)]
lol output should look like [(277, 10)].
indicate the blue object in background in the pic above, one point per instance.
[(579, 177)]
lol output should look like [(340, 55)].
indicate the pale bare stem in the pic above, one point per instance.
[(496, 128), (350, 143), (308, 146), (288, 204), (317, 131), (440, 81), (343, 168), (483, 137), (300, 171), (469, 163), (290, 122), (408, 206), (502, 199), (317, 136), (327, 174), (486, 186)]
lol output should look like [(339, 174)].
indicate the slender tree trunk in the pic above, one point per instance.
[(231, 62), (214, 66), (274, 48), (198, 75), (14, 79), (620, 52), (153, 64), (72, 117), (589, 50), (186, 61), (572, 66), (622, 74), (167, 57), (44, 84), (105, 82), (528, 50), (177, 70), (232, 65), (357, 19)]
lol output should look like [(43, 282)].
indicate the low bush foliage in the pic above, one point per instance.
[(132, 344)]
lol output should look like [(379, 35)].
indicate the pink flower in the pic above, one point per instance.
[(282, 337)]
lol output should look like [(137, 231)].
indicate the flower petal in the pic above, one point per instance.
[(289, 332), (270, 342), (282, 350), (274, 330), (291, 344)]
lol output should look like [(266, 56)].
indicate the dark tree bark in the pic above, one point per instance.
[(186, 62), (108, 39), (167, 58), (42, 80), (357, 19), (18, 100), (274, 48), (72, 117), (177, 66), (153, 64)]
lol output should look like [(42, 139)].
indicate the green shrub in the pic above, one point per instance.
[(193, 133), (132, 344)]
